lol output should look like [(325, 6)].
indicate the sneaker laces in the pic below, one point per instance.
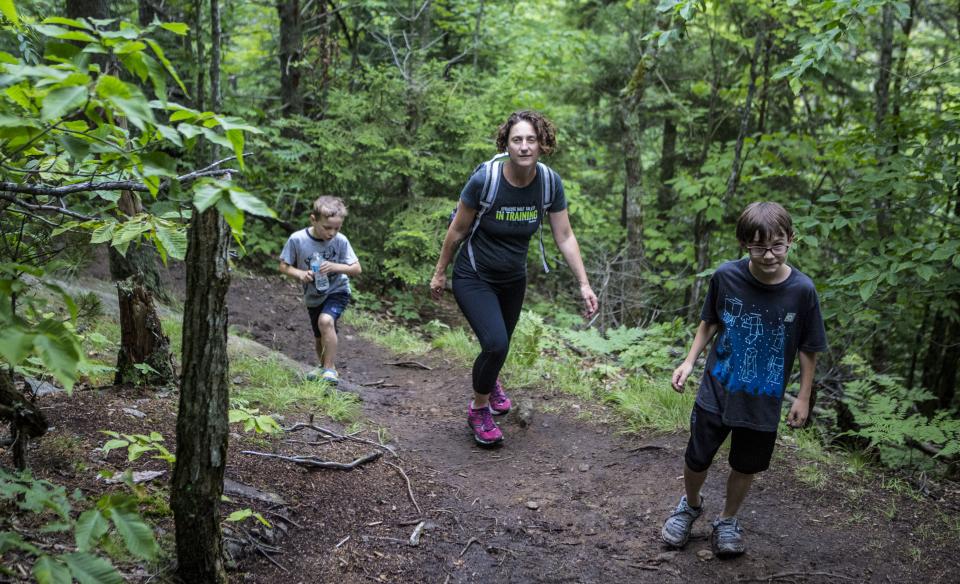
[(728, 530), (486, 419)]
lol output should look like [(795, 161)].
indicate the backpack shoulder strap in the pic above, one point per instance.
[(548, 189), (491, 184)]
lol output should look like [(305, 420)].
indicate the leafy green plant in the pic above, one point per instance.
[(113, 512), (254, 421), (137, 445), (887, 413), (242, 514)]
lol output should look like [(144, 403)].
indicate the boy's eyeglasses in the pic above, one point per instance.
[(758, 251)]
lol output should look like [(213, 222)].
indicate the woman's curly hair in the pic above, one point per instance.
[(546, 131)]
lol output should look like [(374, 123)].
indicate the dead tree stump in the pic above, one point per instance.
[(26, 420), (142, 340)]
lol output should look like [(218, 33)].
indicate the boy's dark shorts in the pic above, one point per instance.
[(334, 305), (750, 450)]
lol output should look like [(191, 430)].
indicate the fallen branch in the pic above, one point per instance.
[(470, 542), (409, 488), (314, 463), (332, 434), (411, 364), (780, 575)]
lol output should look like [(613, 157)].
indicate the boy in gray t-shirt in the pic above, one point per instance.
[(326, 285)]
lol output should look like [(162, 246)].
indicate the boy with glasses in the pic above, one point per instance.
[(764, 312)]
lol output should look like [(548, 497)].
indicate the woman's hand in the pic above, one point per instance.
[(590, 302), (437, 284)]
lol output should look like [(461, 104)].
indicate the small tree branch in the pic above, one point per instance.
[(120, 185)]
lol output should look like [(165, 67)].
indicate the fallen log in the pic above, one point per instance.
[(313, 463)]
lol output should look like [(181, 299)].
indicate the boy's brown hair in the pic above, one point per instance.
[(327, 206), (768, 219), (546, 131)]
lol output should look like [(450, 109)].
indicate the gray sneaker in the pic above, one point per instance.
[(676, 529), (727, 538)]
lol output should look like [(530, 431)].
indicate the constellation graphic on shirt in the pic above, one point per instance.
[(754, 324), (749, 370), (775, 365), (731, 311)]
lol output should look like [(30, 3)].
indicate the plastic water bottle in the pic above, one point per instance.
[(319, 280)]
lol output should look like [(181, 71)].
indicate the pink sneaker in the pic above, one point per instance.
[(499, 402), (485, 430)]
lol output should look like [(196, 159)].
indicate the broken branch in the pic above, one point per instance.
[(313, 463)]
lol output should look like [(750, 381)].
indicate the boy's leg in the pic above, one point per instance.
[(738, 485), (692, 483), (330, 311), (327, 343), (750, 453), (707, 433)]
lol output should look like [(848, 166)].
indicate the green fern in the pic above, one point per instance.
[(887, 415)]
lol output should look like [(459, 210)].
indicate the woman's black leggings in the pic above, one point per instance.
[(492, 311)]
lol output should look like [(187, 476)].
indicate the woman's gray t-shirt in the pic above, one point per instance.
[(761, 328), (301, 246), (501, 241)]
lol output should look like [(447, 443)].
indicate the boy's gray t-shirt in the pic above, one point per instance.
[(761, 328), (503, 236), (301, 246)]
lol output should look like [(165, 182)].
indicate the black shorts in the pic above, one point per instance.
[(334, 305), (750, 450)]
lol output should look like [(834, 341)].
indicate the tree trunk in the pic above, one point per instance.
[(734, 181), (142, 340), (291, 47), (632, 210), (26, 420), (146, 12), (668, 169), (199, 87), (88, 8), (202, 418), (216, 34)]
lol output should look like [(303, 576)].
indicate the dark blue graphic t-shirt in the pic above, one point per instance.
[(761, 328), (501, 241)]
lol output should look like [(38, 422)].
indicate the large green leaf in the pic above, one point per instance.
[(15, 344), (68, 22), (89, 569), (206, 194), (50, 571), (62, 100), (173, 239), (9, 11), (167, 65), (250, 204), (91, 526), (135, 533)]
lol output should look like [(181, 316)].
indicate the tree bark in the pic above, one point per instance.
[(199, 89), (26, 420), (142, 340), (88, 9), (216, 35), (668, 169), (202, 418), (291, 51)]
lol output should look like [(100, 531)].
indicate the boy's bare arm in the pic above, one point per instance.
[(353, 270), (705, 332), (297, 274), (800, 410)]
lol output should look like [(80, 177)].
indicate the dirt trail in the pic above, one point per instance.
[(600, 498)]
